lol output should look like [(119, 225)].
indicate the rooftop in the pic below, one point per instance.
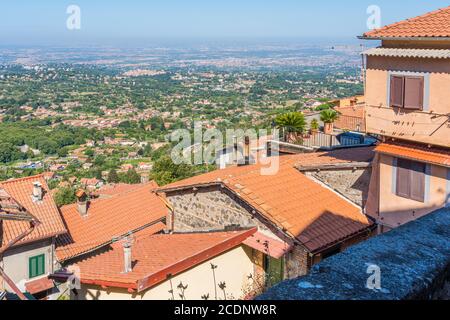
[(413, 151), (435, 24), (108, 218), (413, 261), (156, 257), (46, 211), (304, 209)]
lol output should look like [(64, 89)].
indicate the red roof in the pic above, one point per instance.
[(39, 285), (109, 218), (113, 189), (156, 257), (306, 210), (416, 152), (45, 211), (435, 24), (269, 246)]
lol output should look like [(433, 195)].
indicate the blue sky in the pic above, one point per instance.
[(44, 21)]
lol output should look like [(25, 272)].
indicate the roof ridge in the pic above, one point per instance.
[(374, 32), (114, 196), (41, 175)]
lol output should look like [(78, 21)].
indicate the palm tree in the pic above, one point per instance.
[(329, 117), (292, 124), (314, 125)]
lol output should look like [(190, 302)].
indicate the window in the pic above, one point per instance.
[(36, 266), (411, 180), (407, 92)]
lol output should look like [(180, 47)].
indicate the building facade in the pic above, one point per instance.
[(408, 108)]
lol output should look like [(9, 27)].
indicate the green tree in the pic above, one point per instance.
[(165, 171), (113, 177), (329, 116), (9, 153), (65, 196), (314, 125), (131, 177), (292, 124)]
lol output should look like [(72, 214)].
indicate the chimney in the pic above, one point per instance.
[(247, 150), (127, 244), (82, 202), (37, 192), (235, 150)]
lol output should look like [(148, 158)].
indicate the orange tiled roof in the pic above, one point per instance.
[(113, 189), (45, 211), (435, 24), (412, 151), (351, 111), (156, 257), (307, 211), (109, 218)]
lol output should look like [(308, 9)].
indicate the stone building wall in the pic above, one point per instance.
[(210, 208), (354, 185), (216, 208), (296, 263)]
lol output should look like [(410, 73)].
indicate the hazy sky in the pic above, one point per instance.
[(44, 21)]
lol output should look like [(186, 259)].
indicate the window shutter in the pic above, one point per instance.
[(403, 178), (418, 181), (397, 91), (414, 91)]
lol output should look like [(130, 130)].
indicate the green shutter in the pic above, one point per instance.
[(36, 266)]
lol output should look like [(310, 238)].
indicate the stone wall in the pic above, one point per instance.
[(216, 208), (211, 208), (410, 262), (297, 263), (354, 185)]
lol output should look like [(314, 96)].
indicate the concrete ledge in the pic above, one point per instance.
[(414, 261)]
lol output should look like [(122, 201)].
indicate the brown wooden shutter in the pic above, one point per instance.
[(397, 91), (403, 178), (414, 91), (418, 181)]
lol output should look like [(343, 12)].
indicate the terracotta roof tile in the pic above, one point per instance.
[(416, 152), (39, 285), (155, 257), (299, 203), (45, 211), (113, 189), (435, 24), (109, 218)]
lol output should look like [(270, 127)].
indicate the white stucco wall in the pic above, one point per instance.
[(16, 261)]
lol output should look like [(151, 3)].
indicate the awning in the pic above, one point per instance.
[(409, 53), (39, 285), (416, 152), (269, 246)]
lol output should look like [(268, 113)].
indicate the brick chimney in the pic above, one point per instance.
[(82, 202), (38, 192)]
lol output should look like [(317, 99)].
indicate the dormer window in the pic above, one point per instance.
[(407, 92)]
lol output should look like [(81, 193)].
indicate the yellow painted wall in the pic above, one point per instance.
[(233, 267), (396, 211)]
